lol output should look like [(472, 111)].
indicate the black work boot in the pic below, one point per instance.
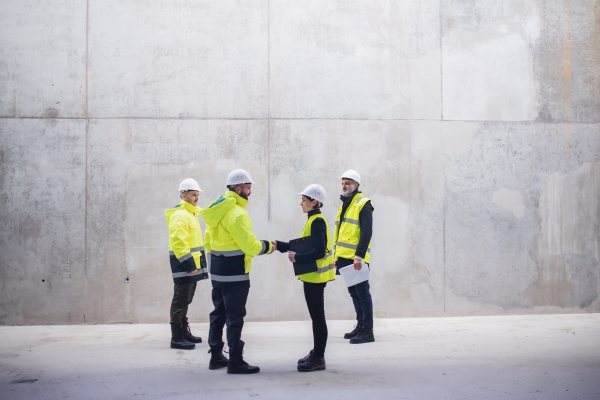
[(237, 365), (306, 357), (312, 364), (187, 333), (354, 332), (177, 340), (364, 336), (217, 358)]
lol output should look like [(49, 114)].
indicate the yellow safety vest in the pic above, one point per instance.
[(326, 271), (347, 230)]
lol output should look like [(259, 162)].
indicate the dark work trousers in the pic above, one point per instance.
[(315, 300), (363, 305), (183, 294), (230, 309)]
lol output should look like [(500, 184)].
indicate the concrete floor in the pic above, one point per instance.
[(537, 356)]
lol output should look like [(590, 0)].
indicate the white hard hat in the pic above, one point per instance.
[(238, 176), (189, 184), (316, 192), (351, 174)]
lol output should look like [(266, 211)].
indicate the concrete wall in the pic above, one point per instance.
[(475, 126)]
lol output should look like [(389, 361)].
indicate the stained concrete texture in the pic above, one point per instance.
[(42, 59), (178, 59), (475, 127), (524, 357), (371, 60), (521, 61)]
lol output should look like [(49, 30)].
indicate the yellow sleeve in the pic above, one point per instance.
[(180, 237), (240, 230)]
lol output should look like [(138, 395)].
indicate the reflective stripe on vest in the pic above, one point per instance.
[(227, 253), (350, 246), (184, 274), (347, 230), (184, 257), (349, 220), (232, 278), (325, 271), (192, 250)]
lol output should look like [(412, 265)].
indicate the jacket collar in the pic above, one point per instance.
[(190, 207), (313, 212), (242, 202)]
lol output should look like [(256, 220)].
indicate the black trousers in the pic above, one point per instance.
[(230, 309), (314, 293), (363, 304), (183, 294)]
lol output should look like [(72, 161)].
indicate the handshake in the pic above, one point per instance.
[(273, 247), (291, 254)]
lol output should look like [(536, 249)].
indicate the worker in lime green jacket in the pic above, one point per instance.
[(231, 245), (188, 262)]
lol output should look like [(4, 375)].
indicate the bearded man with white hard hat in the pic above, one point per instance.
[(231, 245), (188, 262), (352, 246)]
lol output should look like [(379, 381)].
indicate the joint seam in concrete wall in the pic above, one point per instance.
[(87, 134), (441, 62), (313, 119), (269, 110)]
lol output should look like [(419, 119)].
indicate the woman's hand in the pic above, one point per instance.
[(292, 256)]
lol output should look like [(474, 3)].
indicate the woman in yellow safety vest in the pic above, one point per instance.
[(316, 227)]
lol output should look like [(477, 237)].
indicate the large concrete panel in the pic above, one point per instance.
[(522, 217), (178, 59), (521, 61), (376, 59), (42, 240), (42, 58), (407, 258), (135, 166)]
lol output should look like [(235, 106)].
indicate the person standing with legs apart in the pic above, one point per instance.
[(317, 229), (352, 246), (230, 246), (188, 262)]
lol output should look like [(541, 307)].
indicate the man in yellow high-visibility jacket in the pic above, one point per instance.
[(231, 245), (352, 246), (188, 263)]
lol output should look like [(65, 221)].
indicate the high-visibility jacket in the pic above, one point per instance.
[(347, 230), (186, 248), (230, 243), (326, 271)]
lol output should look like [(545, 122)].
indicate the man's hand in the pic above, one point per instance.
[(273, 247), (357, 264), (292, 256), (194, 272)]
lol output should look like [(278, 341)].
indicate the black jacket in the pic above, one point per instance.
[(318, 233)]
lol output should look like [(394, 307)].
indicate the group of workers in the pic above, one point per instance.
[(226, 252)]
